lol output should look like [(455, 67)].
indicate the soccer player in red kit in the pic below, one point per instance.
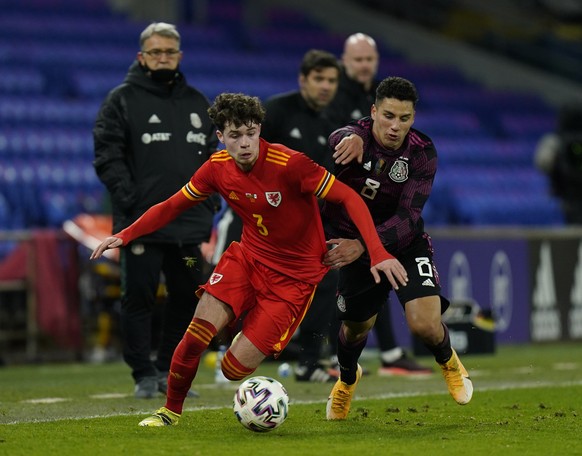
[(272, 274)]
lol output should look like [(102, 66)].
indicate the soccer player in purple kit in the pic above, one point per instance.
[(392, 167)]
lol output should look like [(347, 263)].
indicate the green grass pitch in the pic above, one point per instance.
[(527, 401)]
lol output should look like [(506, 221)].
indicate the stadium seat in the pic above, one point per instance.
[(41, 111), (496, 208), (51, 92), (21, 80), (450, 123), (528, 125), (484, 150)]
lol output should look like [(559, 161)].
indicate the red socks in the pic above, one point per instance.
[(233, 369), (185, 362)]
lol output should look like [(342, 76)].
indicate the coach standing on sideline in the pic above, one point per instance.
[(151, 134)]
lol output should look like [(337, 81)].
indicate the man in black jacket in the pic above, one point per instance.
[(151, 134), (358, 83)]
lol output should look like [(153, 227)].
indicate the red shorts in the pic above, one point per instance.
[(273, 304)]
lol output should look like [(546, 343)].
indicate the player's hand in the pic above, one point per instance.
[(349, 148), (111, 242), (344, 252), (393, 269)]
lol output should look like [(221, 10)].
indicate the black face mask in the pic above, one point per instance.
[(164, 75)]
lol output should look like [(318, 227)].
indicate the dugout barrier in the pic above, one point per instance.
[(529, 280)]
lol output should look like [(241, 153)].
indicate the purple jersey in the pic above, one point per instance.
[(395, 185)]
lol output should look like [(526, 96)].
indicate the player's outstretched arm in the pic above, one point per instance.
[(152, 220), (348, 250), (358, 211), (111, 242)]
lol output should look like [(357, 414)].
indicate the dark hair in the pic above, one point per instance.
[(399, 88), (237, 109), (316, 59)]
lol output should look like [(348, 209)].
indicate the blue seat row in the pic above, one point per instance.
[(54, 144), (481, 195), (505, 208), (449, 122), (57, 65), (527, 124), (32, 189), (483, 150), (42, 7), (21, 80), (42, 111), (487, 101), (48, 173)]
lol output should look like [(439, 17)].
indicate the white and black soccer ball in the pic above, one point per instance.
[(261, 404)]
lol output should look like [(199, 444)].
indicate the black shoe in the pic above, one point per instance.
[(404, 366), (146, 388), (316, 374)]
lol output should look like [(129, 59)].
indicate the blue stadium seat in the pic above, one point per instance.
[(42, 7), (59, 59), (528, 125), (91, 85), (484, 150), (41, 111), (58, 206), (505, 208), (20, 80), (450, 123), (42, 143)]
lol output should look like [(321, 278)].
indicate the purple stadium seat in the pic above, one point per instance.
[(453, 123), (483, 150), (59, 59), (528, 125), (506, 208), (21, 80)]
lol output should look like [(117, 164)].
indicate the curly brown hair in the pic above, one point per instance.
[(236, 109)]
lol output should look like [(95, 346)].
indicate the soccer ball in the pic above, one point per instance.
[(261, 404)]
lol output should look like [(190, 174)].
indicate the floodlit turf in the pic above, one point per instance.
[(527, 401)]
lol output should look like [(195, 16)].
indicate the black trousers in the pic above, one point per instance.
[(141, 268), (319, 324)]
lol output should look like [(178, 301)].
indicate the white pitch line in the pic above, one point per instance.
[(109, 396), (499, 387), (47, 400)]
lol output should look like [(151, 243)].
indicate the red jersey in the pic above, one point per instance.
[(276, 201)]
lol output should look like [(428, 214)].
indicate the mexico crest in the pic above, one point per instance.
[(399, 171)]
